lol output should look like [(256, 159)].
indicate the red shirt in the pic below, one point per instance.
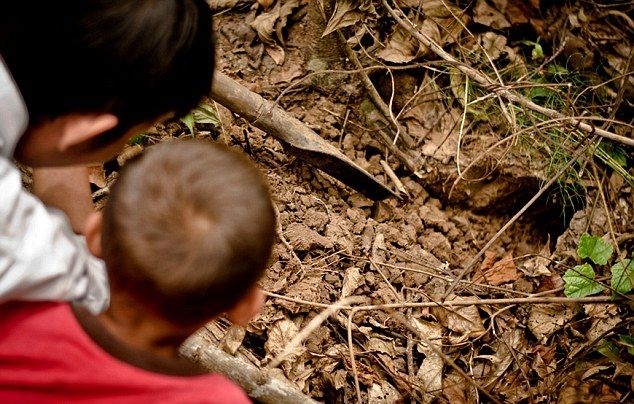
[(47, 357)]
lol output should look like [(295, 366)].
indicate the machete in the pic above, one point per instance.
[(295, 136)]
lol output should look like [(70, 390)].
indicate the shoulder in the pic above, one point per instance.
[(215, 388)]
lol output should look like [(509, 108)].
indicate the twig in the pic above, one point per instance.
[(310, 327), (506, 92), (534, 299), (353, 364), (390, 173), (539, 193), (280, 235), (374, 95)]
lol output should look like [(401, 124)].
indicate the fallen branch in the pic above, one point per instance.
[(505, 92), (259, 384)]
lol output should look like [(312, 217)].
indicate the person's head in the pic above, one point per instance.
[(90, 71), (187, 232)]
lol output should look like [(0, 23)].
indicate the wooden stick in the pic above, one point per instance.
[(259, 384), (535, 299)]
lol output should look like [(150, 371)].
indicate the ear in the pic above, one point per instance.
[(247, 307), (92, 230), (79, 128)]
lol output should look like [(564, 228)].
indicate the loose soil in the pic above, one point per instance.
[(335, 243)]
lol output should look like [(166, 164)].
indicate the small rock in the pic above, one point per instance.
[(303, 238)]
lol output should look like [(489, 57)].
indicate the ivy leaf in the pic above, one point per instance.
[(205, 113), (188, 120), (595, 248), (579, 282), (622, 276)]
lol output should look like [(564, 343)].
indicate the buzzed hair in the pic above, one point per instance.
[(136, 59), (188, 229)]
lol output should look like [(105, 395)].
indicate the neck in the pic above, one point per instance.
[(140, 329)]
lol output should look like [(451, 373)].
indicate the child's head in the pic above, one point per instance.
[(136, 60), (187, 231)]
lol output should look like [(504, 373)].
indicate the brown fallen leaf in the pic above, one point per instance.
[(484, 14), (279, 335), (464, 320), (352, 279), (347, 13), (545, 319), (499, 273), (431, 369)]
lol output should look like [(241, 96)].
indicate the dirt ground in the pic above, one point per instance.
[(336, 245)]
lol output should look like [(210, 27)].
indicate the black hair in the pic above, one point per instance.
[(136, 59)]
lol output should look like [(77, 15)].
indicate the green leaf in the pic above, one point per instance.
[(622, 276), (579, 282), (595, 248), (608, 349), (138, 139), (205, 113), (537, 53), (188, 120), (628, 342), (555, 69)]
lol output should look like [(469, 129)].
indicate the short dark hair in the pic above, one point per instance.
[(188, 230), (136, 59)]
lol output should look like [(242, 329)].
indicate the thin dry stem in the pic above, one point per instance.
[(533, 299), (309, 328)]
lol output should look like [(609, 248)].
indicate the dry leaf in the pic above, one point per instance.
[(463, 320), (486, 15), (347, 13), (545, 319), (501, 272), (493, 44), (383, 392), (264, 24), (430, 371), (280, 334), (352, 279), (97, 176)]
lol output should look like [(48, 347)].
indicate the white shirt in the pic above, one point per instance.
[(41, 258)]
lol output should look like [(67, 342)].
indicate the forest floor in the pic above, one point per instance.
[(493, 199)]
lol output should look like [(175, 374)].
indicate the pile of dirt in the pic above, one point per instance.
[(393, 259)]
